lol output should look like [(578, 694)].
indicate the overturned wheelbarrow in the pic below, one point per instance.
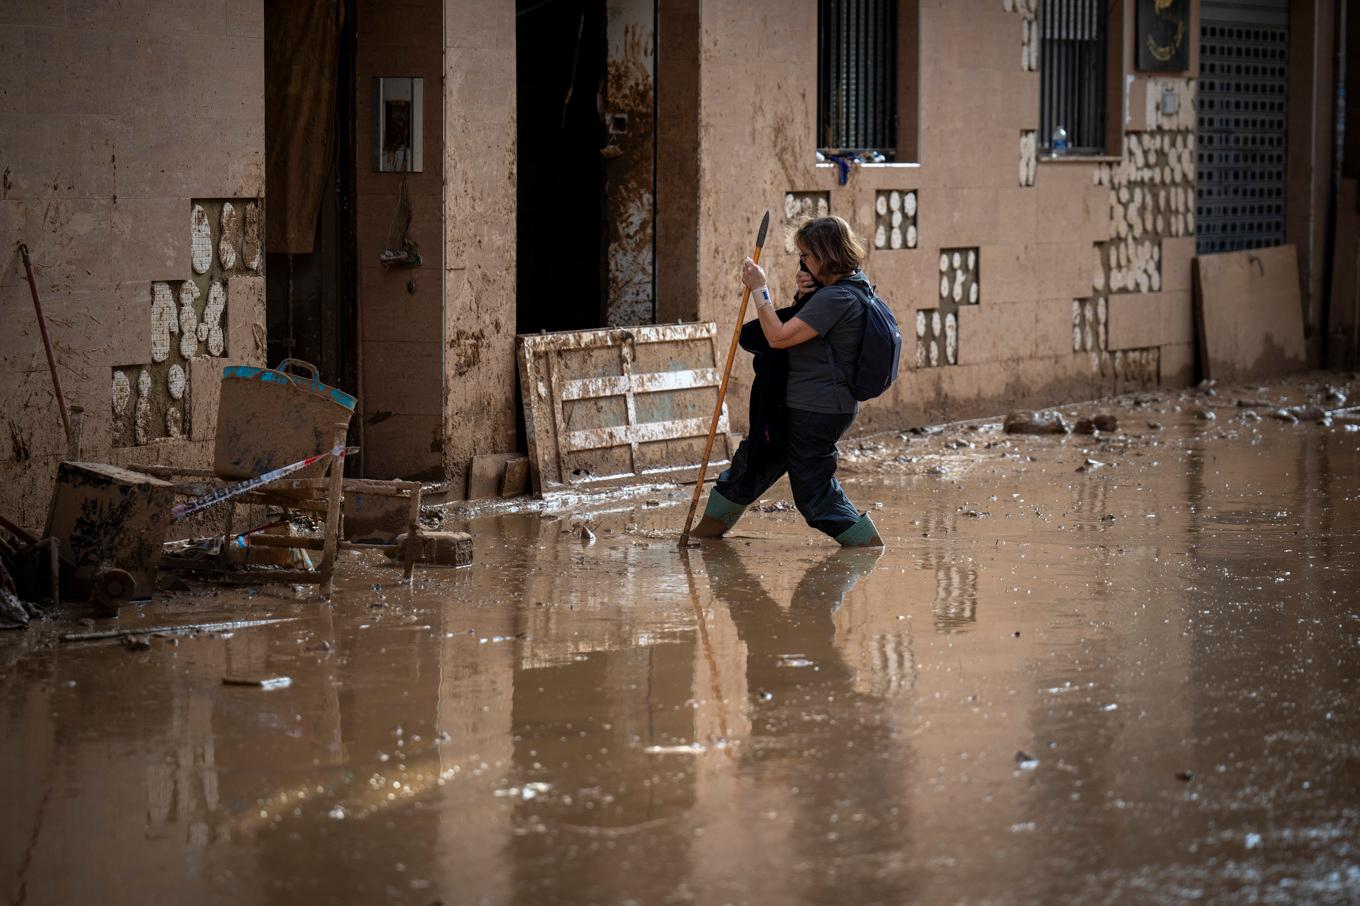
[(34, 571), (111, 525)]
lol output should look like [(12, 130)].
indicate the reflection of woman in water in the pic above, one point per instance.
[(850, 805)]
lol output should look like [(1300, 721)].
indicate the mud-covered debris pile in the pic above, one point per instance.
[(1111, 428), (1025, 422)]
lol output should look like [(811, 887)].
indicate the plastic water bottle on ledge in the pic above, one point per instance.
[(1059, 145)]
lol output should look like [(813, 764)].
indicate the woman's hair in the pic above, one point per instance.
[(831, 241)]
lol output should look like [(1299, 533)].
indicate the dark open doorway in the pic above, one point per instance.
[(560, 48), (587, 163), (309, 186)]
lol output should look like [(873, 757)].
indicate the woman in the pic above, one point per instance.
[(796, 432)]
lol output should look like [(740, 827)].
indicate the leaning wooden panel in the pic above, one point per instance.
[(1248, 314), (619, 406)]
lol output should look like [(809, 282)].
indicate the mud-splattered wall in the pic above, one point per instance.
[(479, 233), (1007, 323), (677, 163), (1137, 325), (630, 171), (401, 385), (114, 119), (173, 394)]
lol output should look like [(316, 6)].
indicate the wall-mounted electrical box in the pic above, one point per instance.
[(1171, 102), (398, 132)]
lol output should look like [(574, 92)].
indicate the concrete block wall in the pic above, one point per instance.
[(1037, 230), (114, 119), (400, 309)]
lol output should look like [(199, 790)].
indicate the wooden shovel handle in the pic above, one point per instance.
[(717, 407)]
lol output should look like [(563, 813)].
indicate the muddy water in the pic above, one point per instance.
[(1129, 683)]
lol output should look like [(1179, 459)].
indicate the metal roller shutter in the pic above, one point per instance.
[(1244, 78)]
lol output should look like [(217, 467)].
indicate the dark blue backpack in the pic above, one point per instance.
[(880, 351)]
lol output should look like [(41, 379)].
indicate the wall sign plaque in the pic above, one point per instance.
[(1163, 33)]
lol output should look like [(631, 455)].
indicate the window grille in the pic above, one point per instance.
[(857, 76), (1072, 64)]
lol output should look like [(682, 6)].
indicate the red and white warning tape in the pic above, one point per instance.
[(189, 507)]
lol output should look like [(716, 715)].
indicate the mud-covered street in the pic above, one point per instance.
[(1117, 667)]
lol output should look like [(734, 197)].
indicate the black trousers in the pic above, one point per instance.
[(808, 455)]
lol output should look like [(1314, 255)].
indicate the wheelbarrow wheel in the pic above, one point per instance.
[(112, 589)]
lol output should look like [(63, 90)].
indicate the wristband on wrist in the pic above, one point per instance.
[(762, 295)]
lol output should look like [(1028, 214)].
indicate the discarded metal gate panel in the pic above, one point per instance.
[(620, 406)]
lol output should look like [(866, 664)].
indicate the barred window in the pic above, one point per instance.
[(857, 76), (1074, 51)]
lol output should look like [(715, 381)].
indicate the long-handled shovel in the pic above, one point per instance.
[(722, 388), (47, 347)]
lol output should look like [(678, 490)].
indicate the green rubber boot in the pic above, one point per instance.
[(720, 514), (862, 534)]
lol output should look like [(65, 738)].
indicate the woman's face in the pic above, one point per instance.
[(812, 263)]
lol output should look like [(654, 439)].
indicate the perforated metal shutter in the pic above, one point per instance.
[(1244, 77)]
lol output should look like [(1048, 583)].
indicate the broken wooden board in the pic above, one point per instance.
[(487, 474), (604, 408), (1248, 314), (516, 479), (374, 518), (498, 475)]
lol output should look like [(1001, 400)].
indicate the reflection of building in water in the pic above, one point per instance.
[(956, 590), (890, 668), (1132, 617), (111, 749), (603, 687), (939, 518), (873, 638), (1090, 501), (589, 730), (551, 621), (473, 708), (955, 604), (720, 691)]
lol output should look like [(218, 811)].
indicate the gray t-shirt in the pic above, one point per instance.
[(836, 312)]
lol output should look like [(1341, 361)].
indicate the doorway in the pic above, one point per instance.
[(310, 264), (560, 218), (586, 188)]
